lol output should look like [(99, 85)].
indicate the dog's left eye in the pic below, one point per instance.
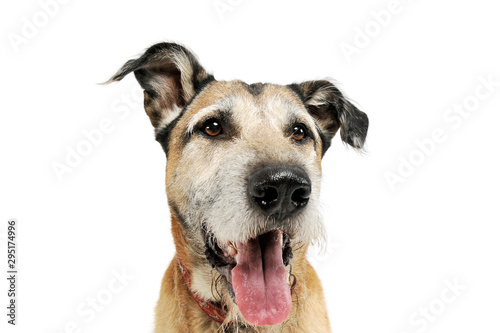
[(299, 132), (212, 127)]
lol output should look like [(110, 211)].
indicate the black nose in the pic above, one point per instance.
[(280, 191)]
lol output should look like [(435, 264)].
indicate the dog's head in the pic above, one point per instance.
[(243, 171)]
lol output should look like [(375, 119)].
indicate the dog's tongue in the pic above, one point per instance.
[(259, 281)]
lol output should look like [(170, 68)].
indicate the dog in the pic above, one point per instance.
[(242, 181)]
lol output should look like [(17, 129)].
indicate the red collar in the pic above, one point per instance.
[(212, 310)]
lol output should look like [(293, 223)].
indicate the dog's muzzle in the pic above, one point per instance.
[(255, 269), (280, 191)]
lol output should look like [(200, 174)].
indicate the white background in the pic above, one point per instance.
[(390, 251)]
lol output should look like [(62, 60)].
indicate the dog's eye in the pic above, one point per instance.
[(212, 127), (299, 132)]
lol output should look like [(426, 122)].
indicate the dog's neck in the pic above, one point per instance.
[(213, 310)]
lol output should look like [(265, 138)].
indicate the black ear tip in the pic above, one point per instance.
[(354, 140), (354, 129), (114, 78), (130, 66)]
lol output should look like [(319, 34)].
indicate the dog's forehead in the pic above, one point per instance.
[(248, 103)]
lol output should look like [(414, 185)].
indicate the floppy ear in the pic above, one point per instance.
[(332, 111), (170, 76)]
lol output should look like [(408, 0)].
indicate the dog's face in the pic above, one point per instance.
[(243, 169)]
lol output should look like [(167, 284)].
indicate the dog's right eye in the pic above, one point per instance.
[(299, 132), (212, 127)]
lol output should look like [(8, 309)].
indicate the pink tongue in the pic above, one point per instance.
[(259, 281)]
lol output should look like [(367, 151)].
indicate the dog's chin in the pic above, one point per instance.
[(255, 272)]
